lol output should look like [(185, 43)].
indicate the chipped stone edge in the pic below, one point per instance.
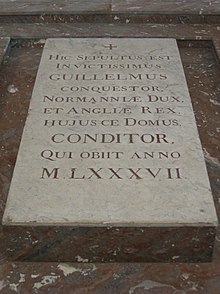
[(5, 41)]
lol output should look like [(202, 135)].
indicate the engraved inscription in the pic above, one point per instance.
[(110, 137)]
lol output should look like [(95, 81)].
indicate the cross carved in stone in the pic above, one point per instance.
[(110, 46)]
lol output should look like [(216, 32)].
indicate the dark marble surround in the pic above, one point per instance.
[(26, 253)]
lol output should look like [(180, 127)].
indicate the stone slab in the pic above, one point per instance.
[(30, 7), (167, 7), (150, 169), (95, 278), (24, 7)]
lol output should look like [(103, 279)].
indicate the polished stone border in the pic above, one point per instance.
[(125, 244), (120, 277), (23, 7)]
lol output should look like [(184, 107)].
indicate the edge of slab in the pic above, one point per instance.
[(25, 7), (4, 43)]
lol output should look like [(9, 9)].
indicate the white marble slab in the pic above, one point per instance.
[(110, 139)]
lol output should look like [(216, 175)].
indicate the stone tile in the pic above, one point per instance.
[(166, 7), (109, 278), (160, 186), (32, 7)]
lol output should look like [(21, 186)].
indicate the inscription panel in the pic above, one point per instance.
[(110, 139)]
